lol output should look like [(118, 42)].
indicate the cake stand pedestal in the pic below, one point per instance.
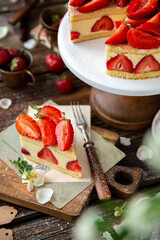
[(124, 112), (122, 103)]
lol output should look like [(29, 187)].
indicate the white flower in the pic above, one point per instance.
[(125, 141), (142, 215), (144, 153), (44, 195), (35, 179), (153, 162), (86, 227)]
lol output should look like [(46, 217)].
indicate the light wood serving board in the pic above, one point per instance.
[(12, 190)]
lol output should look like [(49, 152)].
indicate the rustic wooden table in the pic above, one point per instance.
[(30, 224)]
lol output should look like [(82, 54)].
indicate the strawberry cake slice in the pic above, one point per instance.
[(95, 18), (48, 141), (133, 51)]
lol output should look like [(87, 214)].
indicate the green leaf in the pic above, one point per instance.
[(29, 168), (24, 163), (35, 107)]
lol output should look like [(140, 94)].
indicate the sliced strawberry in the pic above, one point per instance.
[(155, 19), (92, 6), (142, 40), (74, 35), (151, 28), (64, 133), (104, 23), (119, 36), (141, 9), (76, 3), (137, 22), (47, 155), (147, 64), (120, 63), (121, 3), (24, 151), (47, 127), (51, 112), (118, 23), (74, 166), (27, 126)]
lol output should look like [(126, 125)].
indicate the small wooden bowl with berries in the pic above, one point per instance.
[(50, 19)]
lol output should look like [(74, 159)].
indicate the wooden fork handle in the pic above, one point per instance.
[(100, 182)]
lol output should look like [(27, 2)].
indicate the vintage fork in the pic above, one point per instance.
[(97, 173)]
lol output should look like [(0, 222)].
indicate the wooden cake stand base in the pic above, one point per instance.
[(124, 112)]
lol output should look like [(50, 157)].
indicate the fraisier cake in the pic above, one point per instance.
[(94, 19), (133, 51), (48, 141)]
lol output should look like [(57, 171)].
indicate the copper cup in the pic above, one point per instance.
[(21, 78), (45, 21)]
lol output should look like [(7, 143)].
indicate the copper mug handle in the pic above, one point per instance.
[(32, 77)]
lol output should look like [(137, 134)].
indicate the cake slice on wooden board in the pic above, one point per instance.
[(48, 141)]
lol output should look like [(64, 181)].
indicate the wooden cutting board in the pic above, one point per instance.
[(12, 190)]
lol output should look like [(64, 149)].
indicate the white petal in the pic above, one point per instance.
[(29, 186), (125, 141), (44, 195), (3, 31), (30, 44), (144, 153), (24, 180), (38, 180), (5, 103)]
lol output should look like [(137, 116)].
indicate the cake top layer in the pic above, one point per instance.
[(110, 9)]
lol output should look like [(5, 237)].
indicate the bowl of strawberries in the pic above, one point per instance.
[(50, 19), (14, 64)]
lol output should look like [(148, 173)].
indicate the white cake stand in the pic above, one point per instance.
[(123, 103)]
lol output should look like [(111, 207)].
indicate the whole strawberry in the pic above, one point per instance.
[(13, 53), (64, 84), (4, 56), (54, 62), (17, 64)]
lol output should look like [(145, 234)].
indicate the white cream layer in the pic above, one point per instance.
[(135, 58), (84, 26), (34, 146)]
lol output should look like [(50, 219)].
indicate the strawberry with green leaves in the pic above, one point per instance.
[(64, 84), (48, 111), (17, 64)]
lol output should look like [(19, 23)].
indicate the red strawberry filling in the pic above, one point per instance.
[(147, 64), (73, 166), (74, 35), (120, 63), (25, 151), (103, 24), (47, 155)]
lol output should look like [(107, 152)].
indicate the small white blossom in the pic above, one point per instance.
[(125, 141), (144, 153), (44, 195), (35, 179)]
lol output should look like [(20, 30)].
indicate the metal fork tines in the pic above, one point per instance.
[(80, 120), (97, 173)]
